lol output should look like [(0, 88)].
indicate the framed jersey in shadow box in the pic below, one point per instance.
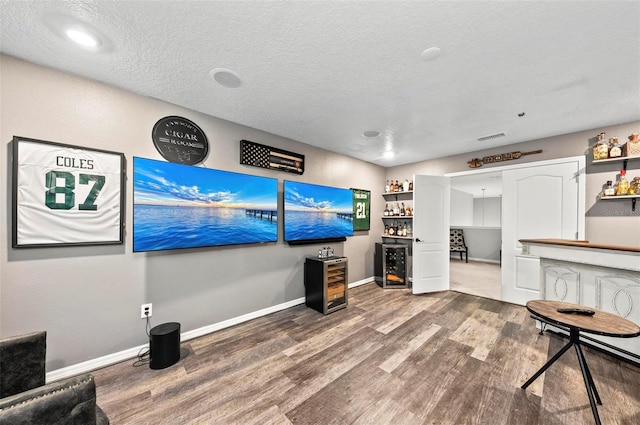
[(65, 195)]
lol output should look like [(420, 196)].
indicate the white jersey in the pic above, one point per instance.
[(67, 195)]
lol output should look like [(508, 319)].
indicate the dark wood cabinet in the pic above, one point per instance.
[(326, 283)]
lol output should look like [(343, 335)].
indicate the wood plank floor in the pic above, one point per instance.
[(389, 358)]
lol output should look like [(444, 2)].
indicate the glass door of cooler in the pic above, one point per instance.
[(336, 296), (391, 265)]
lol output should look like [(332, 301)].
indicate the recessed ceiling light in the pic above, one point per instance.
[(82, 38), (226, 78), (81, 33), (431, 53), (371, 134), (388, 154)]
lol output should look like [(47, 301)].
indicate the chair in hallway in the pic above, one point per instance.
[(456, 243)]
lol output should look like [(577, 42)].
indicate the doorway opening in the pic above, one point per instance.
[(476, 210)]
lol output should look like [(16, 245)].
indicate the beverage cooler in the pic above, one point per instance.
[(391, 265)]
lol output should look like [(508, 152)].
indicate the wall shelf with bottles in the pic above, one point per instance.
[(632, 197), (407, 195), (625, 160), (398, 210)]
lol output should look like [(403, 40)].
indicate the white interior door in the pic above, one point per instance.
[(541, 201), (431, 234)]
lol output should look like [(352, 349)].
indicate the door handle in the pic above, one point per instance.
[(418, 240)]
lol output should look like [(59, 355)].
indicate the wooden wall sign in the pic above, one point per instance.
[(262, 156), (490, 159)]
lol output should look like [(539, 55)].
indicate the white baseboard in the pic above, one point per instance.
[(132, 353), (482, 260), (361, 282)]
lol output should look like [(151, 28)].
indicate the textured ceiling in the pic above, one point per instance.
[(324, 72)]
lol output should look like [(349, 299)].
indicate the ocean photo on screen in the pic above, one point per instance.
[(316, 212), (182, 206)]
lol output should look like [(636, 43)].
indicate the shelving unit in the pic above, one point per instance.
[(398, 197), (625, 160), (326, 283)]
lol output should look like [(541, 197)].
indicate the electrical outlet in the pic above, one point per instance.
[(146, 310)]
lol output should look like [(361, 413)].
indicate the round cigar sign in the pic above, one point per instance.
[(180, 140)]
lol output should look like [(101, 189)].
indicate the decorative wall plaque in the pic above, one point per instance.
[(180, 140), (262, 156), (490, 159)]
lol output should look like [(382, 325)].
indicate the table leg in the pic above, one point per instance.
[(586, 367), (588, 382), (592, 392), (546, 366)]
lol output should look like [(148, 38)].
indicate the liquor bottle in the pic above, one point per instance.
[(405, 185), (615, 151), (411, 185), (392, 188), (409, 230), (634, 186), (396, 210), (601, 149), (386, 229), (408, 212), (391, 230), (623, 184), (608, 189), (386, 210), (404, 229), (386, 187), (402, 211), (397, 186), (633, 145)]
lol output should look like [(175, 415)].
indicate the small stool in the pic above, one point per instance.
[(164, 345)]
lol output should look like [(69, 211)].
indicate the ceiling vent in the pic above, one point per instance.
[(490, 137)]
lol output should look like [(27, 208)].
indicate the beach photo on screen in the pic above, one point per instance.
[(183, 206), (316, 212)]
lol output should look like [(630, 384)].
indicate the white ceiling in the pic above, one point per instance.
[(479, 184), (324, 72)]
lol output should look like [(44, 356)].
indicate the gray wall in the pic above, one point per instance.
[(88, 298), (607, 222), (462, 210), (483, 243), (487, 212)]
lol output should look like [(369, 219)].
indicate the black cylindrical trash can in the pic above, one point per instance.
[(164, 345)]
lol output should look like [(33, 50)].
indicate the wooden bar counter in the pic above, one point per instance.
[(605, 277)]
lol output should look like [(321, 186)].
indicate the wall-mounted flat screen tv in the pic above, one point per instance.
[(314, 213), (183, 206)]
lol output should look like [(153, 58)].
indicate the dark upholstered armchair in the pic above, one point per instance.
[(456, 243), (26, 399)]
